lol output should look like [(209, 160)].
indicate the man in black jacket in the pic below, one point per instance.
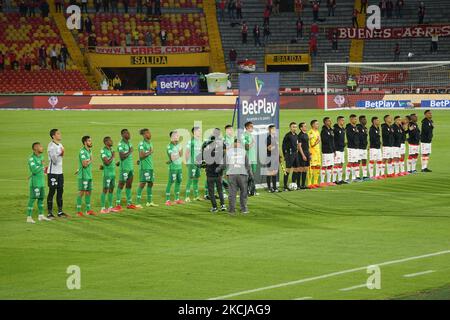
[(352, 149), (413, 143), (376, 159), (363, 133), (425, 139), (290, 154), (339, 145), (387, 134), (327, 138), (213, 156)]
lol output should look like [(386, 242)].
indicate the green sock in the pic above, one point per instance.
[(168, 187), (30, 207), (195, 183), (110, 199), (128, 193), (40, 206), (118, 196), (87, 198), (103, 200), (139, 194), (149, 194), (188, 188), (78, 203), (177, 190)]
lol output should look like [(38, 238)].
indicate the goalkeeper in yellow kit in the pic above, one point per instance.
[(316, 161)]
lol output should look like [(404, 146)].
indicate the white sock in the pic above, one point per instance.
[(355, 171), (335, 170), (364, 171), (409, 164), (396, 167), (424, 162), (348, 171), (322, 175), (329, 175)]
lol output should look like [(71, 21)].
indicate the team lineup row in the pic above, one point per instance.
[(377, 152), (308, 155)]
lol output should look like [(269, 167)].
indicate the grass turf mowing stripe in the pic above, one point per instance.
[(418, 274), (333, 274)]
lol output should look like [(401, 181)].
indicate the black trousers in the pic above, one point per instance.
[(215, 182), (55, 185)]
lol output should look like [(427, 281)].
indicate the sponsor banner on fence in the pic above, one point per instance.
[(445, 103), (370, 78), (288, 59), (177, 84), (381, 104), (420, 31), (149, 50), (259, 102)]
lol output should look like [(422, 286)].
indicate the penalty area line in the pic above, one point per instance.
[(328, 275)]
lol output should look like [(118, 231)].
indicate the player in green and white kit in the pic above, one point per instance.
[(146, 175), (85, 176), (174, 153), (250, 148), (109, 175), (125, 170), (37, 191), (193, 151)]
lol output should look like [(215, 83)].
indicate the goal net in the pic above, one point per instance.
[(387, 85)]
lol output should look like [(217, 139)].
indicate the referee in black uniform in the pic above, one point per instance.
[(290, 153)]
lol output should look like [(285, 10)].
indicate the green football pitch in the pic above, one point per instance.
[(313, 244)]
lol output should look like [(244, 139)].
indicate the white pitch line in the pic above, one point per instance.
[(303, 298), (417, 274), (354, 287), (328, 275)]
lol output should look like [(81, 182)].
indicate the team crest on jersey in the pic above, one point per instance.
[(125, 175)]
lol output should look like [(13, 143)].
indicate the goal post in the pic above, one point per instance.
[(386, 85)]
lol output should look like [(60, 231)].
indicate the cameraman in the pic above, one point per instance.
[(213, 156)]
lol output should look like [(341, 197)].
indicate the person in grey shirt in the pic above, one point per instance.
[(55, 175), (237, 170)]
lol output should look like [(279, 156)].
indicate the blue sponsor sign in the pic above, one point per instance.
[(382, 104), (177, 84), (259, 102), (443, 103)]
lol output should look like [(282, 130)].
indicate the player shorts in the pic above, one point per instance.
[(125, 175), (292, 160), (352, 155), (396, 152), (402, 149), (388, 152), (362, 154), (375, 154), (339, 157), (315, 160), (146, 175), (55, 180), (84, 185), (327, 159), (425, 148), (109, 182), (304, 163), (37, 192), (176, 175), (193, 171), (414, 149)]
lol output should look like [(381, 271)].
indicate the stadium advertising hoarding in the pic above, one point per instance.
[(445, 103), (154, 60), (370, 78), (149, 50), (382, 104), (420, 31), (177, 84), (259, 102)]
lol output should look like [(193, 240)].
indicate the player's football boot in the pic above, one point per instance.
[(63, 215), (331, 184), (90, 213), (50, 216), (80, 214), (213, 210), (426, 170), (41, 217), (323, 184), (197, 199), (168, 203), (104, 211), (223, 208), (138, 206), (30, 220), (151, 204), (131, 206), (179, 201), (187, 200), (117, 208)]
